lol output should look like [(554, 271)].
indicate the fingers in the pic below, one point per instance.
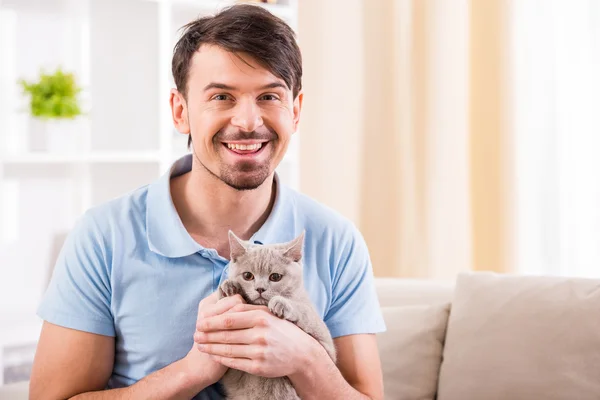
[(241, 364), (234, 350), (208, 309), (247, 307), (242, 336), (209, 300), (234, 320)]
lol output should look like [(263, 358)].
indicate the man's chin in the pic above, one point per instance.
[(242, 185), (245, 180)]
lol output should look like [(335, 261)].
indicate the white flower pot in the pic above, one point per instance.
[(37, 135), (57, 136)]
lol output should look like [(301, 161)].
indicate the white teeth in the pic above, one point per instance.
[(249, 147)]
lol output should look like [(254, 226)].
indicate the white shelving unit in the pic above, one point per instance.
[(120, 51)]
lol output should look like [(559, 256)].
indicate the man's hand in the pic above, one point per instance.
[(201, 366), (251, 339)]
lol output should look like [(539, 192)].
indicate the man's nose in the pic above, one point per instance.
[(247, 116)]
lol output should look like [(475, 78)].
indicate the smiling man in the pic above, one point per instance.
[(132, 310)]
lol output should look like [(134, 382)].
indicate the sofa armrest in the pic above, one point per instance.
[(15, 391)]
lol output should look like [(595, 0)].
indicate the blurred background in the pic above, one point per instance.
[(457, 134)]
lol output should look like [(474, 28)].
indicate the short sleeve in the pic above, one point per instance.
[(354, 304), (78, 295)]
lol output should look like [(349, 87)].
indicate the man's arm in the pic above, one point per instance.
[(75, 364), (68, 362), (357, 374)]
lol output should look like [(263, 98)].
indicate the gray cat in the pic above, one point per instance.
[(271, 275)]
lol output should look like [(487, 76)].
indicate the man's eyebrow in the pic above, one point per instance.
[(216, 85), (223, 86), (274, 85)]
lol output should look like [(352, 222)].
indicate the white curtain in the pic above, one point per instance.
[(556, 108), (474, 130)]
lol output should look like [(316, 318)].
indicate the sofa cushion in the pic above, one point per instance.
[(522, 338), (411, 350)]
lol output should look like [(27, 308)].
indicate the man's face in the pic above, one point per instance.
[(241, 116)]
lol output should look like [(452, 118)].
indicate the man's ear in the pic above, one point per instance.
[(236, 247), (179, 111), (297, 109)]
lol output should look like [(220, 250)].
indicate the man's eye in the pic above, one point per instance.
[(269, 97), (221, 97)]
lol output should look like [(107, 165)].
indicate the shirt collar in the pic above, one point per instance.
[(168, 237)]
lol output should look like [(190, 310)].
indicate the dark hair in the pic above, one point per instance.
[(242, 28)]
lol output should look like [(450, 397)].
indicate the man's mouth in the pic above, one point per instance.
[(246, 149)]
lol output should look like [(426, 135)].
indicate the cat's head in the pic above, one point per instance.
[(264, 271)]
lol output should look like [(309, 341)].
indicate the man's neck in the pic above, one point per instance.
[(209, 208)]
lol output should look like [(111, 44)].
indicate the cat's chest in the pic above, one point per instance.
[(239, 385)]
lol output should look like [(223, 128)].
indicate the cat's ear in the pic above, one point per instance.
[(293, 249), (236, 247)]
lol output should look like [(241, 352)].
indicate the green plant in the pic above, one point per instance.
[(53, 95)]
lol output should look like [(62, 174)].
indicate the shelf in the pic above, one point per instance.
[(102, 157), (125, 141), (19, 330), (97, 157)]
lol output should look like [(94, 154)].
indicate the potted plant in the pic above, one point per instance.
[(54, 107)]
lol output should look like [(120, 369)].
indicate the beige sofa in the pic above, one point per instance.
[(505, 337)]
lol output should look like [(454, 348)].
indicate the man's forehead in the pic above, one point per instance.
[(214, 64)]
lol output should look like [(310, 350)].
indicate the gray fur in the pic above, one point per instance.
[(286, 299)]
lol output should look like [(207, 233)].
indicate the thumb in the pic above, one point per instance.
[(209, 300)]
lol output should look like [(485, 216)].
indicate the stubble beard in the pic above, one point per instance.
[(243, 176)]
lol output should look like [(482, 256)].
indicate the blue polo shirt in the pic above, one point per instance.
[(129, 269)]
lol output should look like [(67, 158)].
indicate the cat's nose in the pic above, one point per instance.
[(260, 290)]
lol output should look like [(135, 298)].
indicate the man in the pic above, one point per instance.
[(136, 280)]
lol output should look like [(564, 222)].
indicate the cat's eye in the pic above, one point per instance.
[(275, 277), (247, 276)]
